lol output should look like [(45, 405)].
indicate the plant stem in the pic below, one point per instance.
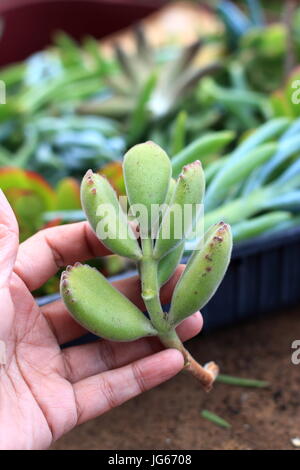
[(150, 288), (167, 335), (206, 375)]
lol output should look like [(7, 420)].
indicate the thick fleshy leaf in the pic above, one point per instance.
[(100, 308), (203, 274), (168, 264), (147, 173), (184, 208), (104, 213)]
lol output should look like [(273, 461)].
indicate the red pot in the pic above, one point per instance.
[(30, 24)]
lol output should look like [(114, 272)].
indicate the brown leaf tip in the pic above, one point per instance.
[(223, 226), (190, 166), (64, 282), (89, 177)]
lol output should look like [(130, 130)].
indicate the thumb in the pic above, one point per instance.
[(9, 239)]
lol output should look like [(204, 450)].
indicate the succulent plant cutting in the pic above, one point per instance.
[(103, 310)]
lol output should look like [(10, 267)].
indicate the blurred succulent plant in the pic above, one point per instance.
[(239, 106), (286, 100), (263, 52), (99, 307), (267, 51), (38, 127), (58, 75), (113, 172), (237, 21), (30, 196), (256, 187), (38, 205), (148, 88), (57, 147)]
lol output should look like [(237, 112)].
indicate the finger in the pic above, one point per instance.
[(101, 356), (190, 327), (67, 329), (43, 254), (102, 392), (9, 240)]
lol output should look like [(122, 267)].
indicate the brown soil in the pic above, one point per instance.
[(169, 416)]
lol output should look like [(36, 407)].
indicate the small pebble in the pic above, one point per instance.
[(296, 441), (244, 397)]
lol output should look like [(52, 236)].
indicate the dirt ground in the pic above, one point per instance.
[(169, 416)]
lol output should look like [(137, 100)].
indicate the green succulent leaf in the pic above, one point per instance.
[(100, 308), (168, 264), (105, 215), (147, 173), (203, 274), (183, 210)]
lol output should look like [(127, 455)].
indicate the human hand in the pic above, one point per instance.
[(46, 391)]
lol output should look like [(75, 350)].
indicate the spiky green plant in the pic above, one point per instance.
[(147, 89), (97, 305)]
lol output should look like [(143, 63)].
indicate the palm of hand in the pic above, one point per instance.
[(39, 399)]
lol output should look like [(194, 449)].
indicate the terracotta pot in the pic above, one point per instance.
[(30, 24)]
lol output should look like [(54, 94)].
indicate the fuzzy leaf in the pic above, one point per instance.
[(100, 308), (203, 274), (147, 173), (168, 264), (104, 213), (183, 210)]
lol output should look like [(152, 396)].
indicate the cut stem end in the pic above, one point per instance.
[(205, 375)]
